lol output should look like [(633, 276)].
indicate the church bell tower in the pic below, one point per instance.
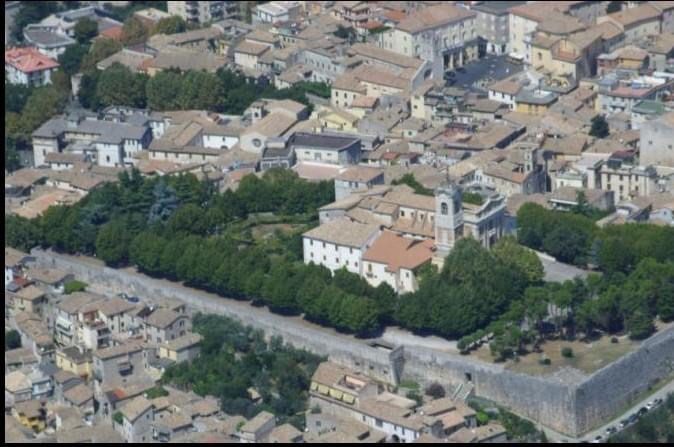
[(448, 216)]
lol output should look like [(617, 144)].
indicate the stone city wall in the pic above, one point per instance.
[(611, 388), (569, 402)]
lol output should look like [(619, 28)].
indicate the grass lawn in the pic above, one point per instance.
[(263, 231), (587, 357)]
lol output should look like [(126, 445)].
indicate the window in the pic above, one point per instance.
[(444, 209), (257, 142), (379, 423)]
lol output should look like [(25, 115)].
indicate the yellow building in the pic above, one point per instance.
[(534, 102), (566, 57), (75, 361), (335, 119), (182, 348), (31, 414), (29, 299), (334, 382)]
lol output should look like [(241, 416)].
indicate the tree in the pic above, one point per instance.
[(117, 85), (165, 202), (435, 390), (112, 243), (87, 91), (100, 49), (12, 340), (599, 127), (72, 57), (640, 325), (31, 12), (163, 90), (134, 31), (613, 6), (517, 256), (170, 25), (85, 30)]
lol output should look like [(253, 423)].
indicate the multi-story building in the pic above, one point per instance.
[(627, 179), (556, 17), (29, 67), (620, 94), (636, 22), (445, 35), (203, 12), (137, 417), (657, 141), (357, 178), (114, 364), (332, 149), (492, 24), (395, 260), (274, 12), (108, 142), (165, 325), (338, 244)]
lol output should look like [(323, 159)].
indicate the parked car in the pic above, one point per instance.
[(642, 411), (632, 419), (598, 439), (624, 423), (449, 74), (461, 69), (657, 401), (610, 430), (650, 405)]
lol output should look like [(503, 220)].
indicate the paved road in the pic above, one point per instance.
[(557, 437), (558, 271)]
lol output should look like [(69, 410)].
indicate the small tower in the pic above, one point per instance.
[(448, 216)]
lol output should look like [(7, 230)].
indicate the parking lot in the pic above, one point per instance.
[(477, 75)]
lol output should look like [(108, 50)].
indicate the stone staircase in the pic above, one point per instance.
[(462, 391)]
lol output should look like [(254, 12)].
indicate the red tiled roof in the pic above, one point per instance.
[(28, 60)]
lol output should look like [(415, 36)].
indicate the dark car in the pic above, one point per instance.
[(611, 430), (449, 74), (642, 411), (133, 299), (461, 69), (633, 418)]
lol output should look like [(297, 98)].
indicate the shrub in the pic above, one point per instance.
[(118, 417), (435, 390), (544, 361), (410, 384), (482, 418), (567, 352), (614, 339), (74, 286), (415, 396), (157, 391)]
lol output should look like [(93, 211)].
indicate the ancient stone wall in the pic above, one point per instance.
[(611, 388), (569, 402)]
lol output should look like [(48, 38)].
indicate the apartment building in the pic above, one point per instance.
[(203, 12)]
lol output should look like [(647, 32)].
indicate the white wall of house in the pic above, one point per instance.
[(332, 256), (219, 141), (503, 98), (109, 154)]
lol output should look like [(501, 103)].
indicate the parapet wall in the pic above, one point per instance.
[(569, 402)]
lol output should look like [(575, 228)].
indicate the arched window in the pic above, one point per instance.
[(444, 209)]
